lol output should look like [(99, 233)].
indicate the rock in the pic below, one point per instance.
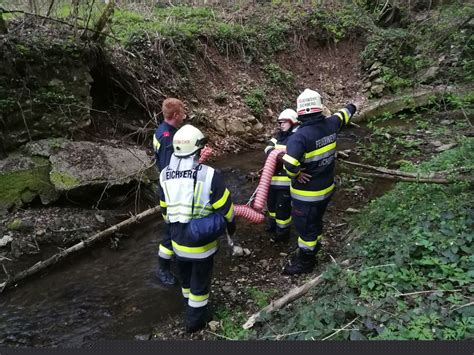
[(358, 188), (430, 74), (251, 119), (220, 125), (374, 73), (264, 263), (5, 240), (227, 289), (40, 232), (446, 147), (258, 127), (437, 143), (375, 66), (367, 85), (247, 252), (45, 147), (22, 178), (100, 218), (80, 164), (283, 254), (19, 224), (352, 210), (237, 250), (214, 325), (379, 81), (244, 268), (235, 126), (377, 90)]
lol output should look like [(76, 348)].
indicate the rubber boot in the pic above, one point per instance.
[(303, 264), (271, 225), (164, 274), (281, 235)]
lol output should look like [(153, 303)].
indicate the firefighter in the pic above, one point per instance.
[(198, 208), (309, 161), (279, 199), (174, 114)]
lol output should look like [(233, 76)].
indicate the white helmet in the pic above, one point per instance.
[(288, 115), (309, 101), (187, 141)]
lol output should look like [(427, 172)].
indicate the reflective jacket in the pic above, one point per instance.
[(163, 144), (185, 183), (312, 149), (280, 179)]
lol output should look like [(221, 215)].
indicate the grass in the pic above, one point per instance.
[(412, 268)]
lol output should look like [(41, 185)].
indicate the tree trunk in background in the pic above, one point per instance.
[(104, 19)]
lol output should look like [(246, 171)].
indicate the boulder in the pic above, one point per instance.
[(234, 126), (23, 178), (79, 164)]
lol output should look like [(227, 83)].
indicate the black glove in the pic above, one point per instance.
[(231, 226)]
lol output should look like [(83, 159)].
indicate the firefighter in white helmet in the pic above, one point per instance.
[(279, 199), (309, 161), (198, 208)]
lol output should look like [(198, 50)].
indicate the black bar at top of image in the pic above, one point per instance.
[(259, 347)]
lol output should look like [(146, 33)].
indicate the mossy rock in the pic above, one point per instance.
[(24, 178)]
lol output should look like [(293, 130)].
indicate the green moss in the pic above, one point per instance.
[(62, 180), (15, 224), (22, 186)]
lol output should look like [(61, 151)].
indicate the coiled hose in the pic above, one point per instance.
[(254, 213)]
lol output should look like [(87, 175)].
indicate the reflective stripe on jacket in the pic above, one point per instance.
[(182, 181), (312, 149)]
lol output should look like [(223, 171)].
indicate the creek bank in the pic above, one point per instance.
[(59, 167)]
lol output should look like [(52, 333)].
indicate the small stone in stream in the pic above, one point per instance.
[(264, 263), (100, 218), (143, 337), (247, 251), (228, 283), (283, 254)]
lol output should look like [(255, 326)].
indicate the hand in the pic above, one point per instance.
[(303, 178), (231, 227)]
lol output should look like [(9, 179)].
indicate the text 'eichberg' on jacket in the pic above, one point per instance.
[(186, 183), (313, 149), (163, 144), (280, 178)]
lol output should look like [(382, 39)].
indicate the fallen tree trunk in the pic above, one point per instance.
[(281, 302), (437, 177), (56, 258)]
